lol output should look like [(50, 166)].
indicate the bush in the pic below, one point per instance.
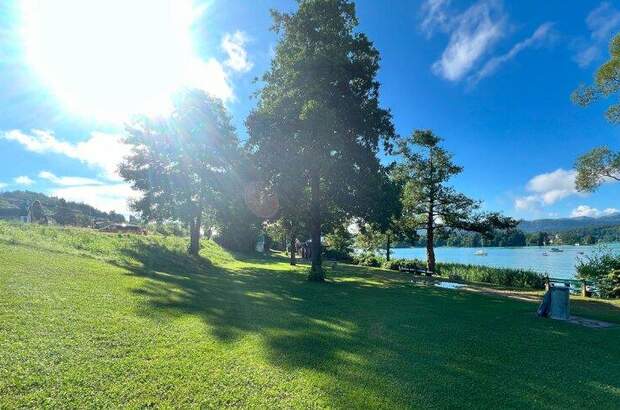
[(517, 278), (603, 267), (368, 259), (474, 273), (337, 255), (406, 263)]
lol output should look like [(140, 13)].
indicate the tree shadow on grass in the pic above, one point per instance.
[(381, 342)]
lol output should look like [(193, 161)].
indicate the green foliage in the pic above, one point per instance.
[(602, 267), (339, 241), (319, 117), (183, 164), (429, 203), (64, 215), (517, 278), (368, 259), (606, 83), (37, 214), (600, 163), (596, 166)]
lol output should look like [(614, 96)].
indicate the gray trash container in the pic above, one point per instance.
[(559, 307)]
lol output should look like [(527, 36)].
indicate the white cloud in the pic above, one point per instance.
[(68, 181), (603, 20), (602, 23), (106, 197), (101, 151), (553, 186), (211, 77), (537, 38), (23, 180), (435, 16), (585, 210), (475, 31), (3, 185), (527, 203), (547, 189), (234, 46)]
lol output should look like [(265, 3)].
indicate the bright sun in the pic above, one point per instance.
[(110, 58)]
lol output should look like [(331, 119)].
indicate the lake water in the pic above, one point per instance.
[(555, 264)]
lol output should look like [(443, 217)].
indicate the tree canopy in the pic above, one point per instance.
[(318, 114), (429, 203), (601, 163), (183, 164), (606, 83)]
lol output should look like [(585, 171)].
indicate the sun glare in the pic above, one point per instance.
[(110, 59)]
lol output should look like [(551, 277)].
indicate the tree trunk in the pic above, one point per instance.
[(430, 234), (316, 272), (194, 226), (387, 247), (292, 250)]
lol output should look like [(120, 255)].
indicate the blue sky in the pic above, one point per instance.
[(492, 77)]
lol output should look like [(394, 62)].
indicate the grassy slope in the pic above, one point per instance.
[(108, 320)]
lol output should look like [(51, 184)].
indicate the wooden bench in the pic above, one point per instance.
[(415, 271)]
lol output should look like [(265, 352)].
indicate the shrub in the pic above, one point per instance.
[(474, 273), (603, 267), (367, 259), (518, 278), (406, 263), (337, 255)]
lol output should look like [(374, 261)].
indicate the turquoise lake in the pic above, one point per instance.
[(555, 264)]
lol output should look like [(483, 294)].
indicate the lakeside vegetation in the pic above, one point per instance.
[(121, 320)]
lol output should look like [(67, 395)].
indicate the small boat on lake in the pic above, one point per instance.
[(556, 250), (480, 253), (545, 254)]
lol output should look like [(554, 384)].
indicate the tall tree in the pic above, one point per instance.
[(319, 110), (601, 163), (429, 203), (184, 163), (386, 224), (64, 215)]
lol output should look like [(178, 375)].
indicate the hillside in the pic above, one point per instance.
[(20, 199), (106, 320), (566, 224)]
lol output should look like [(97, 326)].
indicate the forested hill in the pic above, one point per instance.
[(50, 205), (567, 224)]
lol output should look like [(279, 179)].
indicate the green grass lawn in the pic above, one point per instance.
[(94, 320)]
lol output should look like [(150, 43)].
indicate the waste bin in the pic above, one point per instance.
[(559, 307)]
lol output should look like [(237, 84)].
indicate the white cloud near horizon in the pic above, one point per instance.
[(602, 22), (101, 151), (23, 180), (105, 197), (547, 189), (539, 36), (474, 32), (586, 210), (68, 181), (234, 46)]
